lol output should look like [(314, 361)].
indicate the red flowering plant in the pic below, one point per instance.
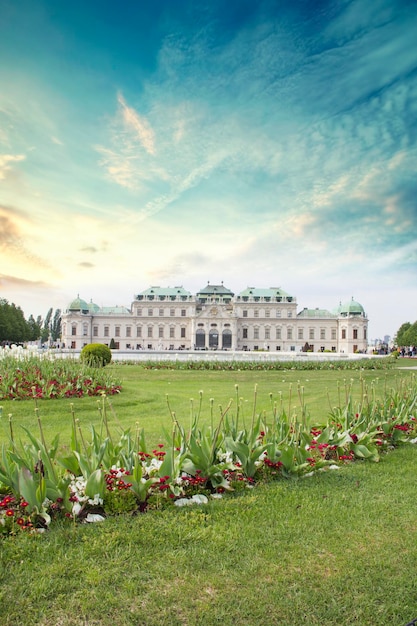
[(35, 377), (106, 475)]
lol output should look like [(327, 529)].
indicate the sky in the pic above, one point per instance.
[(179, 142)]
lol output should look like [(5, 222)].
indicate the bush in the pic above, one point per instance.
[(96, 354)]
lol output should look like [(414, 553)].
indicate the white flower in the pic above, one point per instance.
[(226, 457), (333, 467), (413, 440), (76, 508), (96, 501), (94, 517), (216, 496), (182, 502), (199, 498)]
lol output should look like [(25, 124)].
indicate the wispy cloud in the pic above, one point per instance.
[(139, 126), (7, 161), (18, 282)]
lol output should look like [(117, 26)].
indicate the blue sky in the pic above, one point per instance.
[(263, 144)]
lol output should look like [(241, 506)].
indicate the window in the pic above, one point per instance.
[(73, 330), (161, 312), (85, 330), (300, 333), (150, 312), (256, 333), (322, 333), (364, 333), (138, 312), (289, 333), (245, 333), (267, 333), (278, 333), (256, 313), (117, 331), (106, 331), (333, 334), (172, 312), (160, 331), (73, 345), (267, 313), (289, 314), (245, 313), (172, 332), (138, 331), (128, 331), (183, 332), (355, 333), (150, 329), (95, 331), (183, 312), (311, 333), (278, 313), (343, 333)]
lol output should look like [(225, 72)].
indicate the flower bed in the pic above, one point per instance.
[(27, 375), (101, 476)]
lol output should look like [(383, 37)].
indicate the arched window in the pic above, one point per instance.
[(226, 339), (200, 338), (213, 338)]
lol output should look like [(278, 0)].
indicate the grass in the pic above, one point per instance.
[(144, 397), (337, 548)]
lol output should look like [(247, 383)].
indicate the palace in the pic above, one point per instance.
[(171, 318)]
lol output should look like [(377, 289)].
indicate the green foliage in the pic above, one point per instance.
[(13, 326), (407, 334), (206, 458), (96, 354), (120, 502), (352, 529), (47, 377), (299, 365)]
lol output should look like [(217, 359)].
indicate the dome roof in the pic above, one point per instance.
[(92, 307), (79, 305), (351, 308)]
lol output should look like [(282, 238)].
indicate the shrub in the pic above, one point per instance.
[(96, 354)]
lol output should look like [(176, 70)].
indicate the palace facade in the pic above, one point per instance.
[(172, 318)]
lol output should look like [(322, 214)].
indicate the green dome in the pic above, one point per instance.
[(92, 307), (79, 305), (351, 308)]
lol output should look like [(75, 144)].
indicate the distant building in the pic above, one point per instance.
[(171, 318)]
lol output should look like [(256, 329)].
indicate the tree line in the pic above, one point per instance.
[(14, 328), (407, 335)]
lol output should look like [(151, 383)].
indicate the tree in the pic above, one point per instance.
[(55, 326), (34, 328), (13, 326), (46, 330), (407, 334)]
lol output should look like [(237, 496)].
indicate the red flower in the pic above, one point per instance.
[(9, 512)]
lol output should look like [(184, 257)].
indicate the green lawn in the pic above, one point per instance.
[(338, 548), (143, 400)]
